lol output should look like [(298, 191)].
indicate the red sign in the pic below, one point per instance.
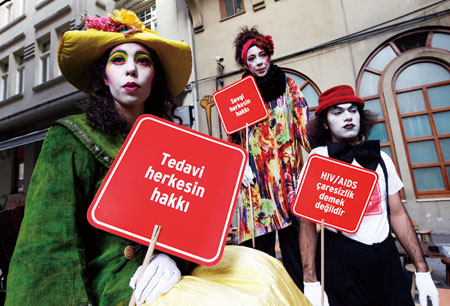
[(180, 179), (240, 104), (334, 191)]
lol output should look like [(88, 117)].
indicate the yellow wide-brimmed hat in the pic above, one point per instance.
[(78, 50)]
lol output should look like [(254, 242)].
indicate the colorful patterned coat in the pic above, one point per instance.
[(275, 157)]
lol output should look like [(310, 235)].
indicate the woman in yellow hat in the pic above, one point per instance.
[(60, 259)]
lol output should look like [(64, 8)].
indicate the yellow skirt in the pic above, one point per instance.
[(244, 276)]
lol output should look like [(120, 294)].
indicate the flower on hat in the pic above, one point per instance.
[(128, 18), (124, 21)]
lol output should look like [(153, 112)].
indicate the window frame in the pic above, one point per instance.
[(9, 12), (435, 137), (12, 10), (223, 13), (60, 33), (151, 23), (380, 95), (20, 72), (44, 60), (4, 70), (307, 82)]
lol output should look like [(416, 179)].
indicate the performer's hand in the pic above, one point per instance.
[(159, 277), (248, 177), (313, 293), (426, 287)]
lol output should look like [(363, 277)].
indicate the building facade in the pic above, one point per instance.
[(394, 53)]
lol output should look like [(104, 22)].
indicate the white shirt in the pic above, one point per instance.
[(374, 226)]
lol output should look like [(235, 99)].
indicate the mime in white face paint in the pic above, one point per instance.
[(258, 61), (343, 120), (129, 75)]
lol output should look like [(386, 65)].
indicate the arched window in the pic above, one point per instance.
[(422, 96), (307, 87), (404, 78), (369, 90)]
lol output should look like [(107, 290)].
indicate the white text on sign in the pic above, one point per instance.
[(334, 204), (173, 200), (239, 105)]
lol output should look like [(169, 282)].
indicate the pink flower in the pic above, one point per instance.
[(125, 22), (102, 24)]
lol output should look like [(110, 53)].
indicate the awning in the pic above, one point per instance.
[(22, 140)]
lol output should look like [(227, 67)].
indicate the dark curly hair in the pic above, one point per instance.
[(243, 36), (319, 135), (100, 107)]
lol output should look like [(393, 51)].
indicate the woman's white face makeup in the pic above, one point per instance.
[(344, 123), (258, 61), (129, 74)]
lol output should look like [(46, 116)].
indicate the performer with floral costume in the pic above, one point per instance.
[(362, 268), (60, 259), (275, 154)]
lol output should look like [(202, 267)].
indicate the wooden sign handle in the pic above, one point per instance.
[(148, 257), (250, 191), (322, 261)]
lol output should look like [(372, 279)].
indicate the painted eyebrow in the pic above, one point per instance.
[(117, 52), (139, 52)]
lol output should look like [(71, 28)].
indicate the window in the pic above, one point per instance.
[(148, 16), (5, 14), (229, 8), (309, 90), (60, 33), (417, 92), (20, 71), (9, 10), (4, 67), (9, 15), (421, 93), (44, 68)]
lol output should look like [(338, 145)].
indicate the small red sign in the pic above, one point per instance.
[(240, 104), (180, 179), (334, 191)]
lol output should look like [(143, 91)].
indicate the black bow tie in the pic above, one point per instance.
[(366, 153)]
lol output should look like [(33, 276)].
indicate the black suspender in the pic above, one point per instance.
[(383, 166)]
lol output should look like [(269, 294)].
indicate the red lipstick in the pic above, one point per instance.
[(131, 86)]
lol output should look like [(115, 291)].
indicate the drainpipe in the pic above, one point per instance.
[(194, 82), (219, 80)]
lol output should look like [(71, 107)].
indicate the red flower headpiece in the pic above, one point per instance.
[(263, 42)]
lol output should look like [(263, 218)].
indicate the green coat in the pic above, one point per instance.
[(60, 259)]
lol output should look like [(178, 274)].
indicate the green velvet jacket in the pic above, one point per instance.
[(60, 259)]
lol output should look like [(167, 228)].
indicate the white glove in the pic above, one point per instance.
[(426, 287), (313, 293), (248, 177), (160, 276)]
